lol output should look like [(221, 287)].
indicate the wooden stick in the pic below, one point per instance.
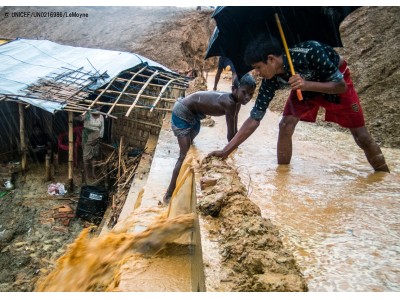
[(125, 88), (119, 156), (299, 94), (22, 136), (135, 95), (70, 149), (140, 93), (162, 91), (48, 170), (128, 105), (146, 123), (101, 94)]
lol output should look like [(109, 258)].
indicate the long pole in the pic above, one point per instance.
[(278, 22), (22, 136), (70, 150)]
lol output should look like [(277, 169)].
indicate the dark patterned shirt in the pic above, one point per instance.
[(314, 61)]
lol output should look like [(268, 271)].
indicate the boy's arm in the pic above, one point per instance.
[(248, 127), (231, 123), (331, 79), (238, 106), (329, 87)]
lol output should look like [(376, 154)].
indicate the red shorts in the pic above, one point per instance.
[(348, 113)]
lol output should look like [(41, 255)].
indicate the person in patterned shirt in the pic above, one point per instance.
[(324, 79)]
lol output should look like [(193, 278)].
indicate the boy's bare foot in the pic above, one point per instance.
[(166, 199)]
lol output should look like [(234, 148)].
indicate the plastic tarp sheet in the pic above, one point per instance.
[(24, 61)]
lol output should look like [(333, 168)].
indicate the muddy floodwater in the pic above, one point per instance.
[(340, 219)]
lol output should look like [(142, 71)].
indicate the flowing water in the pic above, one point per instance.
[(93, 264), (340, 219)]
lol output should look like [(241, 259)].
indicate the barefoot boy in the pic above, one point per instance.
[(188, 112)]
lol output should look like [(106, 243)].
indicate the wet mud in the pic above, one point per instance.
[(252, 256)]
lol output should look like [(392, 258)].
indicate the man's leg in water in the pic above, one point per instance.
[(286, 129), (371, 149)]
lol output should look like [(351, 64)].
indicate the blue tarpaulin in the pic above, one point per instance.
[(23, 62)]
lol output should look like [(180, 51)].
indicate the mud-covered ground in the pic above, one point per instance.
[(251, 252), (33, 228)]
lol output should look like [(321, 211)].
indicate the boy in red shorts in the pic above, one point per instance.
[(324, 79)]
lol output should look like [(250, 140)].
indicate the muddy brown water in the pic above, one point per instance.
[(92, 264), (340, 219)]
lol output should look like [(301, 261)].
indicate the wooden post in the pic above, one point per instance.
[(48, 170), (22, 136), (70, 150), (55, 162)]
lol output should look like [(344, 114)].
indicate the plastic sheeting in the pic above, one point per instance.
[(23, 62)]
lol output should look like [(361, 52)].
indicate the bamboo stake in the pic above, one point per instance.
[(70, 149), (55, 162), (22, 136), (119, 156), (125, 88), (278, 22), (140, 93), (162, 91), (135, 95), (48, 170), (145, 123), (98, 97), (128, 105)]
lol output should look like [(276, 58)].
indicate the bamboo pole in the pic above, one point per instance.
[(140, 93), (278, 22), (22, 136), (56, 162), (180, 81), (125, 88), (162, 91), (134, 95), (151, 84), (48, 170), (119, 156), (98, 96), (128, 105), (70, 150), (145, 123)]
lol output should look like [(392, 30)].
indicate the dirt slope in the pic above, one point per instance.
[(175, 37)]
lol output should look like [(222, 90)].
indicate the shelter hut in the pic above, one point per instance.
[(48, 83)]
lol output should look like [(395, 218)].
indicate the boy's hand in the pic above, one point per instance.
[(297, 82), (218, 153)]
